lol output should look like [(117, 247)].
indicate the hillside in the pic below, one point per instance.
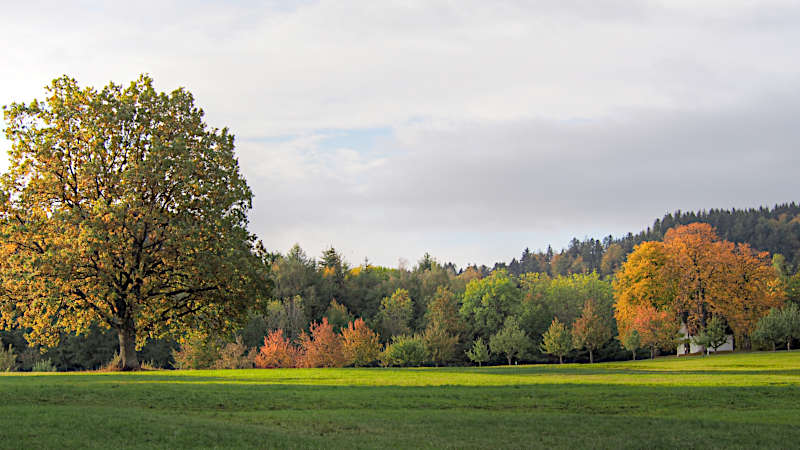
[(775, 230)]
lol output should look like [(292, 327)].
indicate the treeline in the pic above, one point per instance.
[(432, 313), (774, 230)]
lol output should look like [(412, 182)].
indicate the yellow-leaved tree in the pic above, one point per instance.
[(122, 208)]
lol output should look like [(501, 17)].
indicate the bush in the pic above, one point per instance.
[(196, 352), (44, 365), (360, 343), (277, 352), (322, 348), (8, 359), (404, 351), (234, 355)]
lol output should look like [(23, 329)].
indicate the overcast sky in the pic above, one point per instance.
[(470, 130)]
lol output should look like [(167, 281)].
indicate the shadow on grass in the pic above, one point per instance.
[(170, 412)]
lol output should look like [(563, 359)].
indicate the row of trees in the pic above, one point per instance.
[(122, 212)]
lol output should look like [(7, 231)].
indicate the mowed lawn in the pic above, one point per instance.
[(735, 400)]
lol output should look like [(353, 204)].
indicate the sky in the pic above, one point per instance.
[(467, 129)]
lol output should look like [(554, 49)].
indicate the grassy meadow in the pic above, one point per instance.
[(734, 400)]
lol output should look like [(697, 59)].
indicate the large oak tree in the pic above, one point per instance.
[(122, 208)]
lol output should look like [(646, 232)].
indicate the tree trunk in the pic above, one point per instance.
[(634, 355), (509, 360), (591, 357), (652, 353), (773, 346), (560, 359), (789, 344), (127, 349)]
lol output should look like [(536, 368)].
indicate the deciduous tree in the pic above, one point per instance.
[(479, 352), (277, 352), (121, 207), (510, 340), (557, 340), (591, 330), (322, 347), (360, 344)]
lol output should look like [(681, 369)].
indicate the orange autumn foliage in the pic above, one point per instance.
[(277, 352), (657, 329), (694, 274), (322, 348)]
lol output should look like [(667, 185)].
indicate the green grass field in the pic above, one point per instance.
[(735, 400)]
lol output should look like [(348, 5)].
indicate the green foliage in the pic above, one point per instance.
[(440, 345), (44, 365), (479, 352), (557, 340), (395, 314), (631, 341), (338, 315), (404, 351), (770, 329), (778, 326), (488, 301), (567, 295), (714, 335), (510, 340)]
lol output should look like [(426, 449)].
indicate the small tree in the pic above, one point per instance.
[(277, 352), (590, 330), (360, 344), (713, 336), (770, 329), (657, 329), (790, 314), (557, 340), (479, 352), (631, 341), (510, 340), (323, 347)]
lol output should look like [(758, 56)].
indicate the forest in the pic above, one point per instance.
[(433, 301)]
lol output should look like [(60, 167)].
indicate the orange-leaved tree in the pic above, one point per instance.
[(591, 330), (277, 352), (657, 329), (322, 348), (750, 289), (360, 344)]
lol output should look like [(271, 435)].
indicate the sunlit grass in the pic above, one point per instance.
[(740, 400)]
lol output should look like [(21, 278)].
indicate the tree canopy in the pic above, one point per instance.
[(122, 208)]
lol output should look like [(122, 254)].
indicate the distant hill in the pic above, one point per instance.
[(776, 230)]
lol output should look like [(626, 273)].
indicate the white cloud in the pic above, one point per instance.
[(514, 123)]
